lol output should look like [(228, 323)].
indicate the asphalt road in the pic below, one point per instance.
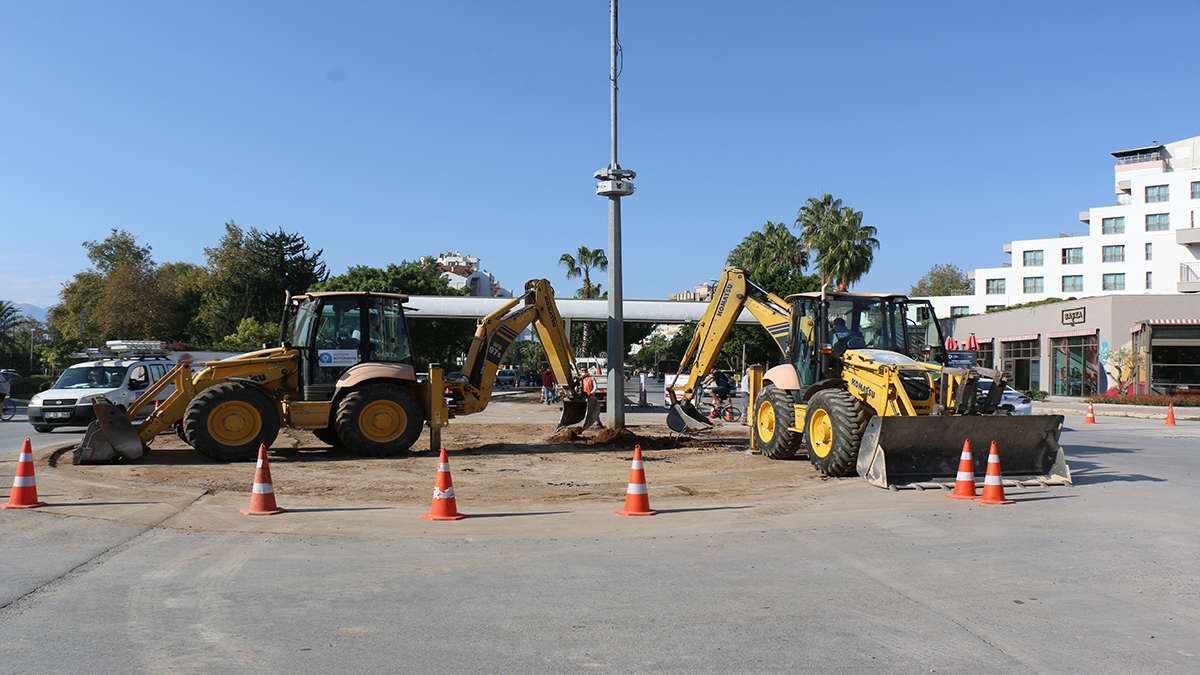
[(1099, 578)]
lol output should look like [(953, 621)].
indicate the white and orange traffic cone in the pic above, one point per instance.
[(444, 507), (24, 490), (1170, 415), (637, 497), (262, 498), (964, 482), (1091, 415), (993, 485)]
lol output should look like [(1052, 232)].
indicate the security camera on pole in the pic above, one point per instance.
[(615, 183)]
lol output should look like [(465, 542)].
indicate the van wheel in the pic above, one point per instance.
[(833, 429), (774, 417), (379, 420), (227, 422)]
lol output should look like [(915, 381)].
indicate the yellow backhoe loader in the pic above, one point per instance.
[(346, 373), (865, 387)]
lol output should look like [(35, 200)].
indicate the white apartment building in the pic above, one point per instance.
[(1147, 242)]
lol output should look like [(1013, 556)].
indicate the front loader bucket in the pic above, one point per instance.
[(899, 451), (685, 417), (573, 412), (109, 437)]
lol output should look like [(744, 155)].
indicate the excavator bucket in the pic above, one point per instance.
[(685, 417), (591, 413), (573, 412), (108, 438), (899, 451)]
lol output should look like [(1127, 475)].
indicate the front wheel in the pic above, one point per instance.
[(774, 419), (8, 411), (732, 413), (379, 420), (228, 421), (833, 428)]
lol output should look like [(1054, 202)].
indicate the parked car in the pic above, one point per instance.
[(506, 378), (69, 402), (1012, 402)]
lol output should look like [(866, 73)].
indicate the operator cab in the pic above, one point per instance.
[(860, 321), (337, 331)]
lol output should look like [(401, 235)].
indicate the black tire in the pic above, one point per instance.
[(328, 436), (42, 428), (180, 432), (379, 420), (833, 431), (227, 422), (774, 417)]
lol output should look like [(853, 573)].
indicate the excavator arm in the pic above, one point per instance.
[(495, 333), (730, 296)]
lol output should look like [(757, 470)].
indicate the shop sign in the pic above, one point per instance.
[(1072, 317)]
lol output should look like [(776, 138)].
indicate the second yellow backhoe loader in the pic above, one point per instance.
[(865, 387), (345, 372)]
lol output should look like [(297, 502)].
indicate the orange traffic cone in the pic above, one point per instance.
[(964, 483), (993, 486), (444, 506), (1091, 415), (262, 499), (1170, 415), (24, 490), (637, 499)]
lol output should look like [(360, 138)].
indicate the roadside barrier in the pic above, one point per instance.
[(24, 491), (1091, 415), (262, 498), (993, 484), (444, 507), (637, 497), (964, 482)]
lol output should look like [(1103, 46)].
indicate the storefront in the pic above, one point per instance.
[(1075, 363), (1166, 355), (1020, 356)]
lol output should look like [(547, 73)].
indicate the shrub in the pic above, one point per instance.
[(1148, 399)]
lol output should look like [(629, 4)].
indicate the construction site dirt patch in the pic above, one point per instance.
[(508, 454)]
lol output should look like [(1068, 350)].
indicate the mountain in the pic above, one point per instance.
[(31, 311)]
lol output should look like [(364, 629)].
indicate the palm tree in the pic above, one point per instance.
[(844, 245), (10, 320), (768, 249), (582, 266)]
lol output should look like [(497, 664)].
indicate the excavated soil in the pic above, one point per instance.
[(510, 453)]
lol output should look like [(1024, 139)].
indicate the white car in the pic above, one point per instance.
[(1012, 402), (69, 402)]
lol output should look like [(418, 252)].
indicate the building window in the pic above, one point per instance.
[(1072, 256), (1034, 285), (1149, 280), (995, 286), (1114, 282), (1113, 225), (1158, 221), (1033, 258), (1149, 251), (1114, 254), (960, 311), (1157, 193), (1196, 190), (1073, 283), (995, 308)]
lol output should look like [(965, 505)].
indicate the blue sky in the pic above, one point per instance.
[(384, 131)]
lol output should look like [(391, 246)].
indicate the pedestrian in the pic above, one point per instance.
[(589, 388), (548, 386), (744, 388)]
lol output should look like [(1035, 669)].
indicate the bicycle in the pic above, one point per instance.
[(9, 409), (720, 408)]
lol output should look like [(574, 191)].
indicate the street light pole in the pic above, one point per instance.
[(615, 183)]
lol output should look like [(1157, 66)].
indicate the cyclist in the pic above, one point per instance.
[(5, 388), (721, 383)]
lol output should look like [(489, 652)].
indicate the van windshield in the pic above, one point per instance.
[(94, 377)]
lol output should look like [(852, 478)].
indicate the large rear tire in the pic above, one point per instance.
[(774, 417), (328, 436), (227, 422), (833, 429), (379, 420)]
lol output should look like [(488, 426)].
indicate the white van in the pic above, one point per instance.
[(69, 402)]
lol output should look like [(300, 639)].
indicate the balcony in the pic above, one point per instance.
[(1188, 236), (1085, 216), (1189, 278)]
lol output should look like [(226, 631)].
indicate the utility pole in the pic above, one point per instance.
[(615, 183)]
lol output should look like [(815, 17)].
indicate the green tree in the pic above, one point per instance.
[(11, 320), (942, 280), (250, 336), (581, 266), (442, 341), (845, 247), (768, 249)]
